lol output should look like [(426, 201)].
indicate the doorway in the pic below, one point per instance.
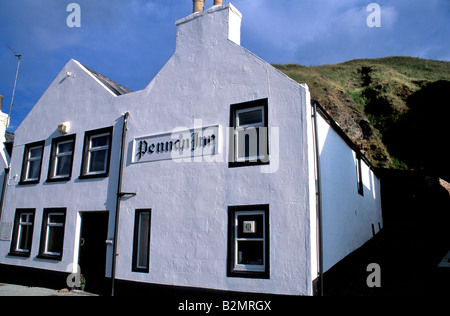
[(92, 253)]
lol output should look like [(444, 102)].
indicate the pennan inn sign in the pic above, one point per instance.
[(180, 144)]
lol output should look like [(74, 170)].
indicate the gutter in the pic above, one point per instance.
[(318, 198), (120, 195)]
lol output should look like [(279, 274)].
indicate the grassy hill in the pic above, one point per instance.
[(395, 109)]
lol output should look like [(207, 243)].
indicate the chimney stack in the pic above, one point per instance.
[(199, 5), (1, 101)]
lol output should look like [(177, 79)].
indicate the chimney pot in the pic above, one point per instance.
[(199, 5)]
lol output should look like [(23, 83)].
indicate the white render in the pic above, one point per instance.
[(189, 198), (347, 215)]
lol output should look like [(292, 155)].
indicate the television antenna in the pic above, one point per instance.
[(19, 57)]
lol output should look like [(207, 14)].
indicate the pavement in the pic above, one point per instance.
[(19, 290)]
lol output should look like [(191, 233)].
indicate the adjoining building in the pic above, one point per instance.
[(221, 174)]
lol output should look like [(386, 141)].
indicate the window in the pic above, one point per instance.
[(52, 235), (141, 244), (32, 161), (61, 158), (23, 233), (248, 245), (249, 142), (359, 180), (97, 152)]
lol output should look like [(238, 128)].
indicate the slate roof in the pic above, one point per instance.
[(115, 87)]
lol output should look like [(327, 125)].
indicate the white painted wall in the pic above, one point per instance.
[(347, 216), (81, 100), (208, 72), (189, 201)]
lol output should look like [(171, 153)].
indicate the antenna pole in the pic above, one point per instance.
[(19, 57)]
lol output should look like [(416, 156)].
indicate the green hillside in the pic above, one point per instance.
[(395, 108)]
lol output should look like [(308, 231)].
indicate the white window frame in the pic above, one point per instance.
[(95, 149), (28, 222), (59, 155), (140, 239), (249, 267), (49, 226), (248, 127), (32, 159)]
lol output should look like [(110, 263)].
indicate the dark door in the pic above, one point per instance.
[(92, 255)]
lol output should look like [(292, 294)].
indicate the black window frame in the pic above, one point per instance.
[(234, 108), (24, 174), (84, 173), (51, 177), (43, 242), (136, 240), (232, 270), (15, 237)]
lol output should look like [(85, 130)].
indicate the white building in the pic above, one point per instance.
[(207, 178)]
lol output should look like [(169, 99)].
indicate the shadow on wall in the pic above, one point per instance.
[(414, 240)]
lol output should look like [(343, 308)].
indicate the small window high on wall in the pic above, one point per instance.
[(360, 185)]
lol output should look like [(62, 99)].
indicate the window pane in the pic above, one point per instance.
[(54, 239), (63, 165), (248, 142), (24, 218), (98, 161), (250, 117), (65, 147), (258, 223), (56, 218), (98, 141), (35, 152), (25, 238), (251, 252), (34, 168), (144, 231)]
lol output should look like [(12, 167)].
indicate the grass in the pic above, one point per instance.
[(375, 90)]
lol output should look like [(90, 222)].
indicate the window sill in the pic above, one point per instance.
[(248, 274), (25, 182), (247, 164), (19, 254), (58, 179), (93, 176), (49, 257)]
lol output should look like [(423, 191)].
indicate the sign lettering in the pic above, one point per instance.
[(180, 144)]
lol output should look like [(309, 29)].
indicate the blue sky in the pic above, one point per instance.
[(129, 41)]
